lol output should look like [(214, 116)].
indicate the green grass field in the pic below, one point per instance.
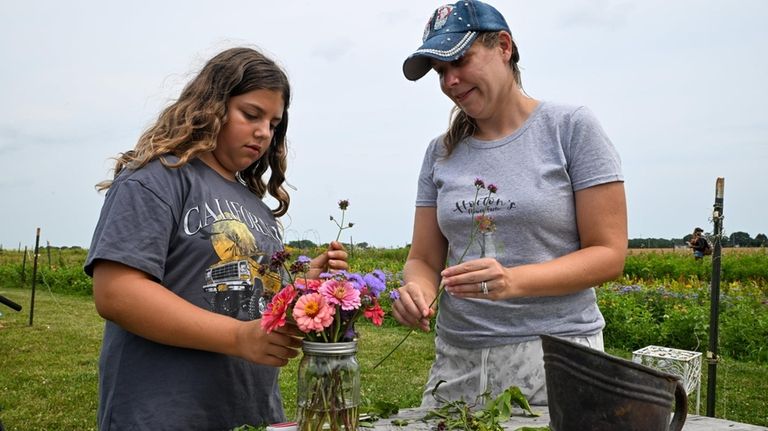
[(48, 371)]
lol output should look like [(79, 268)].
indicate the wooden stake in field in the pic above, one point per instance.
[(714, 309), (34, 278)]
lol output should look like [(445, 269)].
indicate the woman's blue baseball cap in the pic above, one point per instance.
[(450, 31)]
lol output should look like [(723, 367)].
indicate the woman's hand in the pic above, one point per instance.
[(483, 278), (334, 259), (414, 307)]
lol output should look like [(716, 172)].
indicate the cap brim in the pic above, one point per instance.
[(443, 47), (416, 66)]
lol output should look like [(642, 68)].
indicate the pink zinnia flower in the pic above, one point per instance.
[(375, 314), (308, 284), (277, 309), (313, 313), (341, 292)]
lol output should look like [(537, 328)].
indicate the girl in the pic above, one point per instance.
[(175, 256)]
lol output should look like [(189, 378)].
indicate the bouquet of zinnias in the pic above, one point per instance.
[(325, 309)]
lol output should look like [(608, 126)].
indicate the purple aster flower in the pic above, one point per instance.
[(356, 279), (375, 285), (381, 275), (394, 295)]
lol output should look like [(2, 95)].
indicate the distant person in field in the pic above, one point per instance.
[(176, 252), (698, 244), (559, 213)]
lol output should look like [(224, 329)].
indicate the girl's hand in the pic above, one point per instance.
[(335, 259), (268, 348)]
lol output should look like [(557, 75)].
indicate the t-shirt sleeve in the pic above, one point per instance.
[(426, 191), (134, 229), (593, 158)]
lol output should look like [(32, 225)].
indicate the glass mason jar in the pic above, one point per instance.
[(487, 245), (328, 388)]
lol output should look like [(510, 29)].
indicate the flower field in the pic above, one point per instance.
[(662, 299)]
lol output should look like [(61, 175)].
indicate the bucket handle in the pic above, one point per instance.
[(681, 408)]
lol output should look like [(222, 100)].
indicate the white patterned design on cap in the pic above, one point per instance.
[(468, 37)]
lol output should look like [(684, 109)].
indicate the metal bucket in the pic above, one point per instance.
[(590, 390)]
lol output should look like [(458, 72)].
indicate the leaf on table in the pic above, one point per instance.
[(380, 409), (506, 400)]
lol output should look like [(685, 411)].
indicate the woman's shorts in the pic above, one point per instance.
[(468, 373)]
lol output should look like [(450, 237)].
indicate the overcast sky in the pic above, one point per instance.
[(680, 87)]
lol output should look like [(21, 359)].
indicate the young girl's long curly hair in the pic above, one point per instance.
[(190, 126), (462, 125)]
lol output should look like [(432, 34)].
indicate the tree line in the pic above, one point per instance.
[(735, 239)]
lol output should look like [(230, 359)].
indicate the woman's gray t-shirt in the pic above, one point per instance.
[(559, 150)]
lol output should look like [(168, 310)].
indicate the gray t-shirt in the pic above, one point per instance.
[(557, 151), (202, 237)]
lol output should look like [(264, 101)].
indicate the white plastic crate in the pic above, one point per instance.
[(683, 363)]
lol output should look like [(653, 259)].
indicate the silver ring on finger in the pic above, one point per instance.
[(484, 287)]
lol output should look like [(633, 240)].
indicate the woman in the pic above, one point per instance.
[(698, 244), (176, 253), (557, 204)]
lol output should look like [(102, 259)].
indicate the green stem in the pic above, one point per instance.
[(340, 225), (393, 350), (336, 324)]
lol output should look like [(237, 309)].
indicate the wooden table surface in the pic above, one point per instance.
[(692, 422)]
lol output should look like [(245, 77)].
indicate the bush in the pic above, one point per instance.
[(629, 323), (735, 266), (686, 327), (744, 329), (676, 314)]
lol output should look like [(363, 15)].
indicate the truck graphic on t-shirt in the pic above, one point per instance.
[(234, 287), (237, 286)]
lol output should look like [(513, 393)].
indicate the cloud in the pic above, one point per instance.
[(607, 14)]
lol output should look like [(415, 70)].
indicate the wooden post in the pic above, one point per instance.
[(34, 278), (24, 266), (714, 308)]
